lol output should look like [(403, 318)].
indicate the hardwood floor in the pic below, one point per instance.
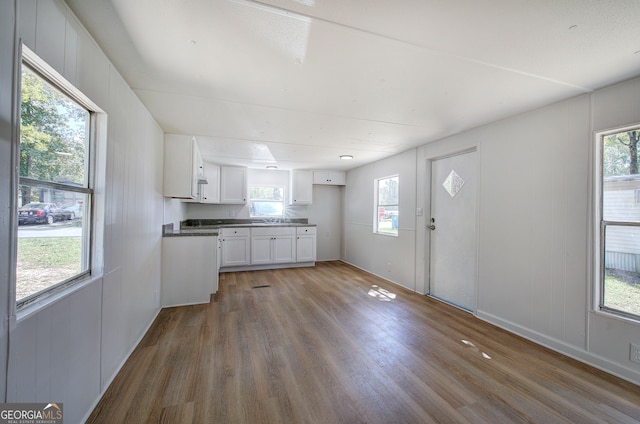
[(333, 344)]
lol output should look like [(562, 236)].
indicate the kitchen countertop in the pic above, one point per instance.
[(169, 231), (211, 227)]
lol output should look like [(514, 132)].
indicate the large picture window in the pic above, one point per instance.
[(55, 192), (619, 213), (386, 206)]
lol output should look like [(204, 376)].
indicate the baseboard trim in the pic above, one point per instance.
[(566, 349)]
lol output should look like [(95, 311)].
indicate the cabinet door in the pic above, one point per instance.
[(210, 192), (181, 158), (301, 187), (306, 244), (329, 177), (233, 185), (306, 248), (261, 249), (284, 249), (235, 251), (321, 177), (189, 275), (338, 177)]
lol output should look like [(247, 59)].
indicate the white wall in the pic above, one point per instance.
[(535, 224), (326, 213), (533, 208), (390, 257), (535, 271), (69, 350), (535, 245)]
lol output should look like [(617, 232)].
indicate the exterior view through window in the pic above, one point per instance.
[(620, 223), (54, 195), (386, 214), (267, 202)]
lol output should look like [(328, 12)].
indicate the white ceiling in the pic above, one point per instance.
[(297, 83)]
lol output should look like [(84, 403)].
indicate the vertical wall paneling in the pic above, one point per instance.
[(27, 24), (326, 213), (50, 33), (70, 49), (390, 257), (70, 350)]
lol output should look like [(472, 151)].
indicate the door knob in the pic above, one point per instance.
[(431, 227)]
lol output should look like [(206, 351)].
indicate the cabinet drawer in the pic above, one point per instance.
[(306, 230), (235, 232), (273, 231)]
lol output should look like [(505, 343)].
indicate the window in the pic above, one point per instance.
[(619, 219), (55, 194), (267, 202), (386, 207)]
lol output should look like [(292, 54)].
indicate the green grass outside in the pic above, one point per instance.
[(44, 262), (622, 291), (49, 252)]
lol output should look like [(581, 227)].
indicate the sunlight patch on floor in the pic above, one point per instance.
[(471, 344), (381, 294)]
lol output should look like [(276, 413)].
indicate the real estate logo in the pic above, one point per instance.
[(31, 413)]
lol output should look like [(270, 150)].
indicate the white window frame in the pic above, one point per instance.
[(52, 77), (377, 205), (282, 201), (600, 226)]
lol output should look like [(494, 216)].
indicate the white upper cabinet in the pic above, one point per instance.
[(210, 192), (330, 177), (301, 187), (182, 167), (233, 184)]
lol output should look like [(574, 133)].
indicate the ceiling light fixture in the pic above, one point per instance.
[(346, 157)]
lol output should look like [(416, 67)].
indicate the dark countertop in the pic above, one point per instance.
[(169, 231), (210, 227)]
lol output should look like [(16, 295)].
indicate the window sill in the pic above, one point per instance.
[(44, 303), (385, 234), (613, 315)]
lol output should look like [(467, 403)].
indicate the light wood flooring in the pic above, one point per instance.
[(333, 344)]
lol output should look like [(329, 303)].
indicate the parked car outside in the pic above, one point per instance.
[(74, 209), (42, 213)]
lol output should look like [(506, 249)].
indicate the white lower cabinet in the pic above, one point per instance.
[(273, 245), (306, 244), (236, 246), (189, 271), (244, 248)]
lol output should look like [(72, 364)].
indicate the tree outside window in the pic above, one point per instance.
[(54, 195)]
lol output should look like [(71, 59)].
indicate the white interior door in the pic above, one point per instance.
[(453, 230)]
